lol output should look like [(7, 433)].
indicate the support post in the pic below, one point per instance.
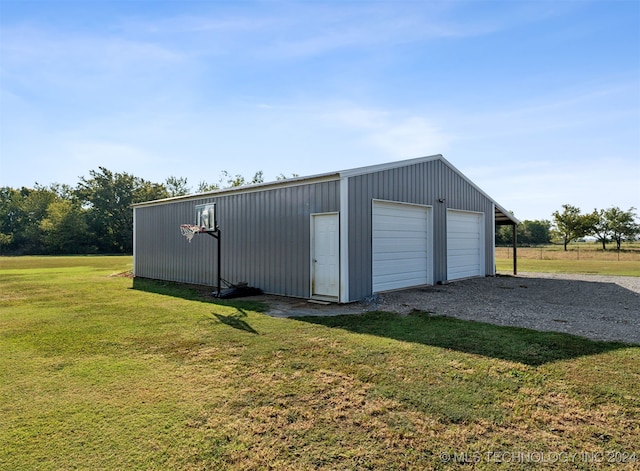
[(515, 253), (217, 235)]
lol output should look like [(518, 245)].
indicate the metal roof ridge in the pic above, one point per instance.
[(388, 165)]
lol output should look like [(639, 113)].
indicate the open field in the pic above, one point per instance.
[(104, 372), (579, 258)]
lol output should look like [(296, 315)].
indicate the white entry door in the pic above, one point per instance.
[(325, 256), (465, 244)]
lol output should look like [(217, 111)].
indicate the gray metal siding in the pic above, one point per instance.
[(265, 238), (422, 183)]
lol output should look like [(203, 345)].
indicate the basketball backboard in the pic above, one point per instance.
[(206, 216)]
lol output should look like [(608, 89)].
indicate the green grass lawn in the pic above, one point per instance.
[(581, 258), (587, 267), (99, 372)]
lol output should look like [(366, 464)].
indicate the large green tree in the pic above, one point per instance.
[(64, 228), (614, 224), (534, 232), (537, 232), (622, 224), (570, 224), (35, 220), (107, 198)]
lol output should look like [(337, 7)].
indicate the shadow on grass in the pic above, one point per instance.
[(515, 344), (236, 321), (195, 293)]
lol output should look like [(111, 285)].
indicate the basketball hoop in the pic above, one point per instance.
[(189, 230)]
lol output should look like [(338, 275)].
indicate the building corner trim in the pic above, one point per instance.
[(344, 240)]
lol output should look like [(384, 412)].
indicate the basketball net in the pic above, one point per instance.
[(189, 230)]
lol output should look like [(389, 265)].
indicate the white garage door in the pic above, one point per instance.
[(465, 254), (401, 245)]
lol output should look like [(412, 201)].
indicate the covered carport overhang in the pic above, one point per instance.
[(503, 217)]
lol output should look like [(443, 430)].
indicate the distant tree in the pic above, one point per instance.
[(64, 228), (36, 220), (622, 224), (528, 233), (601, 228), (177, 186), (32, 208), (10, 214), (570, 224), (149, 191), (534, 232), (238, 180), (204, 187), (107, 198), (503, 235), (540, 231), (282, 176), (258, 177), (230, 181)]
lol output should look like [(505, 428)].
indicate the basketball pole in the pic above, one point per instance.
[(217, 235)]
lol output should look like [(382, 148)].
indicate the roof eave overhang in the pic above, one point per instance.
[(503, 217)]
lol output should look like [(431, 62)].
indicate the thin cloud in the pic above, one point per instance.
[(211, 23), (297, 30), (49, 51), (92, 153), (393, 133)]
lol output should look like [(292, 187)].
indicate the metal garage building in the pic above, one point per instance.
[(338, 236)]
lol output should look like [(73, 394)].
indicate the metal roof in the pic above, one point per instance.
[(502, 216)]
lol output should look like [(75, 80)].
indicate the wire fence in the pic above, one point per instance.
[(575, 252)]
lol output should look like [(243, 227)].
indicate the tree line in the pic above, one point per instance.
[(95, 216), (570, 224)]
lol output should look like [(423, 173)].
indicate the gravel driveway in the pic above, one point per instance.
[(593, 306)]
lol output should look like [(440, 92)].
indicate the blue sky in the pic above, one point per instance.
[(538, 102)]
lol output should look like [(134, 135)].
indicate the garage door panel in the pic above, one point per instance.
[(462, 261), (464, 251), (400, 245), (463, 244), (419, 272), (400, 233), (397, 281), (408, 266), (405, 224), (401, 256)]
